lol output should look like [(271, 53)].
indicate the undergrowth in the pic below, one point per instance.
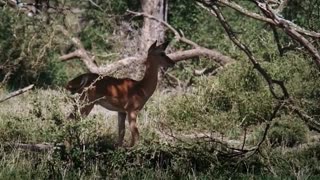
[(85, 149)]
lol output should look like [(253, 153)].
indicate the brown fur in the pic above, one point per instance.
[(126, 96)]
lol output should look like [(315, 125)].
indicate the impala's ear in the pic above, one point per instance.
[(164, 45), (153, 46)]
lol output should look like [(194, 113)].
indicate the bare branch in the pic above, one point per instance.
[(192, 53), (96, 5), (80, 52), (176, 33), (70, 56), (282, 5), (16, 93), (111, 68), (256, 16), (253, 60), (283, 100), (310, 121), (205, 71), (34, 147), (292, 32)]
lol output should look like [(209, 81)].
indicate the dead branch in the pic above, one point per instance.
[(88, 60), (34, 147), (16, 93), (253, 60), (283, 99), (79, 53), (176, 33), (219, 58), (207, 71), (310, 121), (294, 31), (70, 56), (290, 30), (282, 5), (256, 16)]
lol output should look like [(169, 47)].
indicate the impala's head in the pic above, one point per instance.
[(77, 84), (157, 55)]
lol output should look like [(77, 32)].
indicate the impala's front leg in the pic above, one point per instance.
[(121, 127), (132, 116)]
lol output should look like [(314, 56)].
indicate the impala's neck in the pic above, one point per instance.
[(150, 78)]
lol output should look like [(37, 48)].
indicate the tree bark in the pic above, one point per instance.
[(152, 30)]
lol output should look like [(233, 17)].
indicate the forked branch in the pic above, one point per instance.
[(290, 30), (283, 99), (89, 62), (244, 11)]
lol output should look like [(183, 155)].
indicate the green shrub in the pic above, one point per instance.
[(28, 55), (287, 131)]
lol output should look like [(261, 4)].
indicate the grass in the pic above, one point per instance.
[(39, 116)]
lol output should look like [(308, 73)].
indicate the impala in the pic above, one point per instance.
[(126, 96)]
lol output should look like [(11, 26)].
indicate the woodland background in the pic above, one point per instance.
[(243, 100)]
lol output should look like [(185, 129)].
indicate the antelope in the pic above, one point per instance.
[(126, 96)]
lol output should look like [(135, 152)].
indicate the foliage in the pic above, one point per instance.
[(234, 101), (304, 13), (288, 132), (90, 154), (27, 54)]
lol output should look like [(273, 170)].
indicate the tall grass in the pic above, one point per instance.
[(40, 117)]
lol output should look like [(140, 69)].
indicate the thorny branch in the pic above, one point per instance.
[(284, 99)]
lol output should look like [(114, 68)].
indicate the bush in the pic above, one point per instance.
[(28, 52), (287, 131)]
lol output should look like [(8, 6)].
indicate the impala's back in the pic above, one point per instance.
[(109, 92)]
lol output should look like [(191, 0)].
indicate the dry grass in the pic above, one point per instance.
[(40, 116)]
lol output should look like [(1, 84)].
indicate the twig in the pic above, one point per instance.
[(96, 5), (290, 30), (281, 6), (244, 138), (277, 39), (88, 60), (207, 71), (16, 93), (246, 50), (34, 147), (237, 7), (178, 36)]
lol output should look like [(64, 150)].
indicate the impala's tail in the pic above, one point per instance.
[(77, 84)]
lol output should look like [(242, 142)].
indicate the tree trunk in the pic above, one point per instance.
[(152, 30)]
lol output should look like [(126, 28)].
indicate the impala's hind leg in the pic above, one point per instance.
[(121, 127), (132, 116)]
